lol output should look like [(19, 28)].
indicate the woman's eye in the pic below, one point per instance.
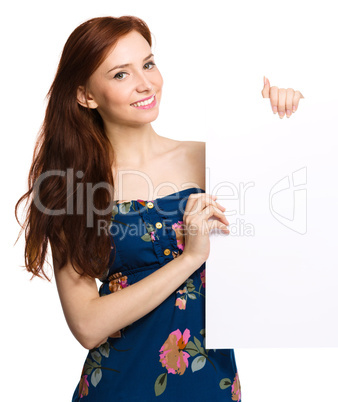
[(118, 76), (148, 66), (152, 64)]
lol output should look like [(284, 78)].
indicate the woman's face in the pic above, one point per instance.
[(115, 90)]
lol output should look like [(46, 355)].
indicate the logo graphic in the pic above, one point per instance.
[(298, 223)]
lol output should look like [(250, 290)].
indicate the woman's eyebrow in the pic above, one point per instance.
[(128, 64)]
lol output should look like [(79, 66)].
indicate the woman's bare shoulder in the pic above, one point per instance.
[(194, 153), (186, 148), (187, 159), (192, 145), (196, 148), (196, 143)]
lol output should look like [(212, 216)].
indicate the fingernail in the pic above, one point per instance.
[(281, 114), (274, 109), (288, 113), (293, 108)]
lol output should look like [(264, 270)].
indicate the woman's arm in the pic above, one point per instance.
[(92, 318)]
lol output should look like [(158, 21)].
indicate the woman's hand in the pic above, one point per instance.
[(196, 227), (283, 100)]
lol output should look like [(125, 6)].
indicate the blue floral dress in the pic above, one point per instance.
[(161, 356)]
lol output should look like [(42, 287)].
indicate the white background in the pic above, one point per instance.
[(212, 56)]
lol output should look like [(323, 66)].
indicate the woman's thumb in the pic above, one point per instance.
[(266, 88)]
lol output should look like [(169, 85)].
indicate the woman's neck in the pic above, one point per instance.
[(133, 146)]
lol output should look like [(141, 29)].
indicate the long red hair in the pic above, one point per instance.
[(73, 137)]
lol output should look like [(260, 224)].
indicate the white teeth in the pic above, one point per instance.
[(144, 103)]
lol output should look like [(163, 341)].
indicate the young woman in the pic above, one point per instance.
[(123, 204)]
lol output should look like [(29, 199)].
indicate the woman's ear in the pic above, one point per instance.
[(85, 99)]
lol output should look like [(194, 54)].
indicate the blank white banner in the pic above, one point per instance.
[(273, 281)]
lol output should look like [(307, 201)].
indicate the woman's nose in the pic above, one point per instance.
[(143, 83)]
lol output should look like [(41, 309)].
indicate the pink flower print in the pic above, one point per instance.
[(117, 282), (152, 236), (202, 275), (236, 389), (172, 356), (83, 386), (183, 291), (179, 234), (181, 303)]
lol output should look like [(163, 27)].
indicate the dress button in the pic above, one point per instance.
[(150, 204), (158, 225), (166, 251)]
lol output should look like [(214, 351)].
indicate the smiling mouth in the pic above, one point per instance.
[(144, 103)]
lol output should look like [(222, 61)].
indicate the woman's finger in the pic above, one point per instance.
[(281, 102), (212, 211), (266, 88), (213, 224), (192, 200), (274, 99), (201, 203), (218, 204), (198, 200), (297, 96), (289, 101)]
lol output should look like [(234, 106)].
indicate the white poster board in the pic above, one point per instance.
[(273, 281)]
